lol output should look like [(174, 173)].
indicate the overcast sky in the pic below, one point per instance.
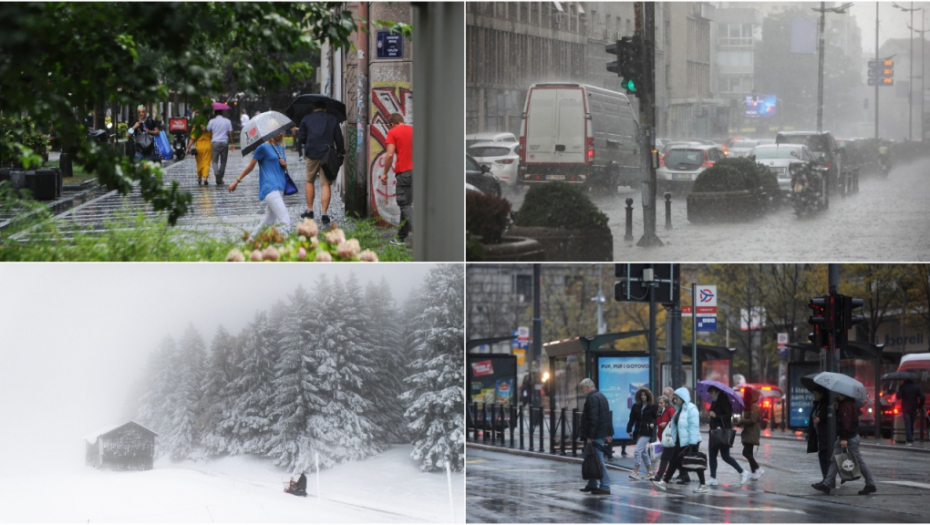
[(74, 338), (892, 22)]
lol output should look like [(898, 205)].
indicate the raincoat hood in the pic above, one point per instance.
[(684, 395), (753, 396)]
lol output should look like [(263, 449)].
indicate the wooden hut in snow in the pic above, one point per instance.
[(129, 446)]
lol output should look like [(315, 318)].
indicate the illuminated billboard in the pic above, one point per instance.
[(760, 106), (618, 378)]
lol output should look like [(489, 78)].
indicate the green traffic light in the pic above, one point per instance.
[(629, 85)]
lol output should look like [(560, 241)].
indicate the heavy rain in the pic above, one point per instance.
[(695, 131)]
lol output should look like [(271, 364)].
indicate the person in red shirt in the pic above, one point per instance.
[(400, 143)]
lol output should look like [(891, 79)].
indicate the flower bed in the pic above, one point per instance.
[(306, 244)]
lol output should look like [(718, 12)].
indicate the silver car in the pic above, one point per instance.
[(681, 165), (779, 158), (742, 147), (502, 158)]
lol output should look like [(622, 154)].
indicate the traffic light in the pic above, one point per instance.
[(822, 317), (844, 307), (881, 72), (629, 64)]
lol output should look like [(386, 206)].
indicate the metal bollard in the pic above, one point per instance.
[(484, 423), (552, 425), (520, 410), (542, 429), (562, 442), (532, 434), (493, 423), (629, 220), (474, 421), (668, 211), (513, 420), (574, 431)]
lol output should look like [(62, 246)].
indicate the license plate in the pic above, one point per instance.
[(681, 176), (555, 177)]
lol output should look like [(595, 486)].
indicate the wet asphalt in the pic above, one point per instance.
[(506, 487), (888, 219)]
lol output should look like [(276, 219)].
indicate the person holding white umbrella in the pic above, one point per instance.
[(264, 135)]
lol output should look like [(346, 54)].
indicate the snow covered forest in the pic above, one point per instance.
[(341, 371)]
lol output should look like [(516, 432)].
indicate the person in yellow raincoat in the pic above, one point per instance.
[(204, 150)]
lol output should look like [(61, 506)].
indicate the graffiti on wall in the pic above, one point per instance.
[(386, 98)]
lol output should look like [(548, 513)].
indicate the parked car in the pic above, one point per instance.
[(742, 147), (479, 176), (770, 404), (779, 158), (502, 157), (489, 136), (681, 165), (579, 134), (824, 147), (668, 145)]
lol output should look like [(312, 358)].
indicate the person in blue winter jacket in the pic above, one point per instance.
[(686, 431)]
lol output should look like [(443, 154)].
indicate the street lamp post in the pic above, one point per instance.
[(823, 20), (923, 88), (910, 86)]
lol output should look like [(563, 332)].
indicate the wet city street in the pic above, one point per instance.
[(888, 220), (506, 487), (214, 209)]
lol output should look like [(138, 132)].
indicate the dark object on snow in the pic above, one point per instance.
[(299, 488), (126, 447)]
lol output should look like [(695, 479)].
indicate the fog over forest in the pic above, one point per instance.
[(75, 339)]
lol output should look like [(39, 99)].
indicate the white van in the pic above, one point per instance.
[(579, 134)]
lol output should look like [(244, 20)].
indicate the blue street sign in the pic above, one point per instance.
[(390, 45), (706, 324)]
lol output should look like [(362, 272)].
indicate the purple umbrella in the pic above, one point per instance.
[(220, 105), (735, 399)]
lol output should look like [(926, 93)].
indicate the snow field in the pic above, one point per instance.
[(387, 488)]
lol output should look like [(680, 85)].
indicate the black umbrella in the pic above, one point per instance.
[(304, 105), (899, 376)]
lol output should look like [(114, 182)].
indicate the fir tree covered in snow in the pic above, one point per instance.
[(436, 397), (337, 371)]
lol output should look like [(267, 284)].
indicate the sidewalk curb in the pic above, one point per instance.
[(538, 455), (861, 444)]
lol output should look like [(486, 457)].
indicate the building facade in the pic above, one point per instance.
[(512, 45), (129, 446)]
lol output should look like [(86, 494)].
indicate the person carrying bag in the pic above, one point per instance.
[(722, 435)]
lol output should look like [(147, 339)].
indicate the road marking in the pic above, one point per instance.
[(528, 470), (749, 509), (908, 484), (475, 461)]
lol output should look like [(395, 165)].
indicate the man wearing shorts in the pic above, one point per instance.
[(318, 131)]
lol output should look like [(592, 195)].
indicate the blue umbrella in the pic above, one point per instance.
[(735, 399)]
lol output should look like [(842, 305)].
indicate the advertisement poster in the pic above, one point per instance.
[(716, 370), (492, 379), (760, 106), (618, 378), (799, 398), (667, 376)]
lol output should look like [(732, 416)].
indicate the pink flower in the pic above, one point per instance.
[(324, 257), (235, 256), (256, 256), (368, 256), (335, 236), (308, 228), (301, 253), (348, 248), (270, 254)]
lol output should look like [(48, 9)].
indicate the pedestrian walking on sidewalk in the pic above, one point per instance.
[(203, 144), (400, 142), (143, 132), (318, 132), (818, 439), (272, 162), (686, 433), (641, 428), (721, 416), (847, 438), (596, 428), (663, 417), (222, 131), (912, 401), (752, 431)]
